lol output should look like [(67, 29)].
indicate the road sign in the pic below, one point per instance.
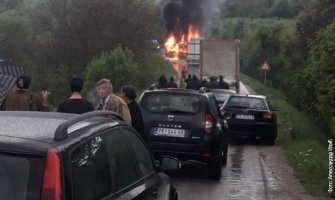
[(265, 66)]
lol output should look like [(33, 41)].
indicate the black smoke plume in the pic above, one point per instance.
[(179, 14)]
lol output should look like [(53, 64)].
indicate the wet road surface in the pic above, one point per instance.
[(245, 177)]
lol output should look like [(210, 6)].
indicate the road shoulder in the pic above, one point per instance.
[(279, 172)]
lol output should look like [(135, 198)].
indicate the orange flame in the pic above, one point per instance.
[(174, 48)]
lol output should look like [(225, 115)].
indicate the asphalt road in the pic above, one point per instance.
[(255, 171), (245, 177)]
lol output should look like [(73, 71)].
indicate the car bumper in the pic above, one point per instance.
[(183, 151), (248, 129)]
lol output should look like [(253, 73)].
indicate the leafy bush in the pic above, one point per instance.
[(117, 65), (319, 77)]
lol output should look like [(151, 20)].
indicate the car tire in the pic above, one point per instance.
[(215, 167), (173, 194), (270, 141)]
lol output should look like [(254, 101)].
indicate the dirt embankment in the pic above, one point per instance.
[(287, 185)]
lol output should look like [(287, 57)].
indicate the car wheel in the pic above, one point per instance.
[(215, 167), (173, 194), (270, 141)]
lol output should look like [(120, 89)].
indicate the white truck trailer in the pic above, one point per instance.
[(207, 57)]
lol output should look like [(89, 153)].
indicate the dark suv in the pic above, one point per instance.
[(185, 124), (96, 155)]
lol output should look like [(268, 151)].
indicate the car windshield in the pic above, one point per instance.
[(172, 103), (246, 103), (20, 177)]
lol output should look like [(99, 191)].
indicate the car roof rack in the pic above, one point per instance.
[(62, 130), (154, 86)]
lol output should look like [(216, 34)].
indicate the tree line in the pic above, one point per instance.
[(56, 39), (297, 39)]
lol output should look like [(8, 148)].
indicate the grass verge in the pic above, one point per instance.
[(305, 144)]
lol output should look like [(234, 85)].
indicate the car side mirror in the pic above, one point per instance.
[(170, 164)]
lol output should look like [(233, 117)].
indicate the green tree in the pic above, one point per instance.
[(315, 16), (319, 77), (6, 5), (17, 42), (117, 65), (284, 9), (245, 8), (75, 31)]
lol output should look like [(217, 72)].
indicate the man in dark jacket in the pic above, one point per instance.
[(162, 81), (128, 94), (194, 84), (24, 100), (223, 84), (171, 83)]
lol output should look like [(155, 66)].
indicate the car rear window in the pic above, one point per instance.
[(221, 98), (20, 177), (247, 103), (172, 103)]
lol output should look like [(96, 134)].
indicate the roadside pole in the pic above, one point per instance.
[(265, 67)]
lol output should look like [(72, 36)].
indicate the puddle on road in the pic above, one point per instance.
[(232, 174), (246, 175)]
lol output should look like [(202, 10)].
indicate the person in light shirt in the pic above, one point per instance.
[(109, 101)]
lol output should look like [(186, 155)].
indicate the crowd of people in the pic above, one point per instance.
[(193, 82), (22, 99)]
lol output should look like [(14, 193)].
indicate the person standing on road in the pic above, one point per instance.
[(182, 84), (24, 100), (194, 84), (188, 80), (128, 94), (171, 83), (109, 101), (223, 84), (162, 81), (213, 84), (75, 103)]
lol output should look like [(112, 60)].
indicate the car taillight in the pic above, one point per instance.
[(267, 116), (51, 189), (208, 123)]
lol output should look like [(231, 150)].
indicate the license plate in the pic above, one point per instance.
[(170, 132), (249, 117)]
